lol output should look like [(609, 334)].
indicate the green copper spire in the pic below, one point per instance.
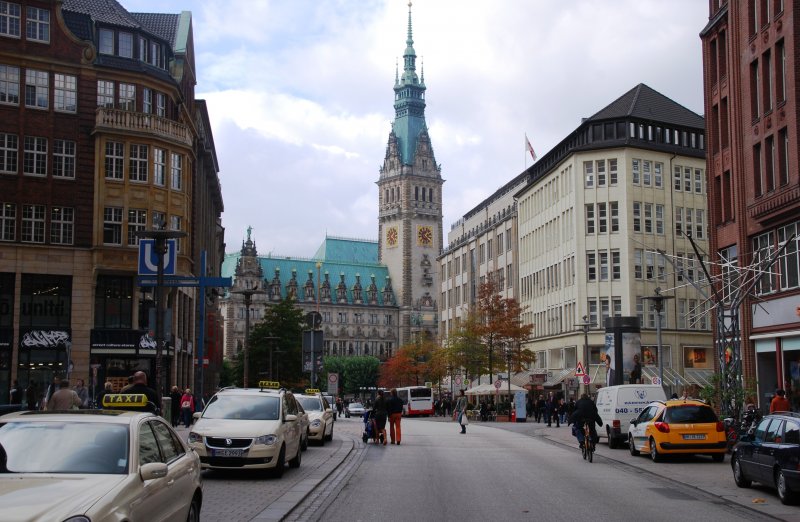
[(409, 102)]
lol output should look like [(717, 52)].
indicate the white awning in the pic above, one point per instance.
[(559, 376), (699, 376)]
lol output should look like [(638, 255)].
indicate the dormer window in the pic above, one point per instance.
[(126, 45), (106, 41)]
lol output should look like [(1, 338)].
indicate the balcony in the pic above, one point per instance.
[(142, 124)]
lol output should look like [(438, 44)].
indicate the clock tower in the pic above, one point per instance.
[(410, 205)]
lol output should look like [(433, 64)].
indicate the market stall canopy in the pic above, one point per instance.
[(489, 389)]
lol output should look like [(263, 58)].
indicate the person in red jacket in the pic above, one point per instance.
[(779, 402), (187, 407)]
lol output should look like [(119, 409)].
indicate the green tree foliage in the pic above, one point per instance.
[(464, 348), (284, 322), (354, 372)]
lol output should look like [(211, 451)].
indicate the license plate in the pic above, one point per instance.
[(694, 436), (227, 452)]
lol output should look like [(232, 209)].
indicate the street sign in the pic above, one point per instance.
[(148, 259), (656, 381), (572, 382), (498, 383), (333, 384), (579, 371), (586, 379), (458, 381)]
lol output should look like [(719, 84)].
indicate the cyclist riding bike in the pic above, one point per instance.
[(585, 412)]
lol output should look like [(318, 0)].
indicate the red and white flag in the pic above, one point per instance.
[(529, 148)]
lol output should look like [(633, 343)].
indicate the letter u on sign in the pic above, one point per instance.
[(148, 259)]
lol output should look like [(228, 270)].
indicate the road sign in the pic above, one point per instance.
[(498, 383), (148, 259), (579, 371), (458, 381), (333, 384), (656, 381), (572, 382), (586, 379)]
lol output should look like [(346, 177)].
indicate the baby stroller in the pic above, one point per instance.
[(370, 429)]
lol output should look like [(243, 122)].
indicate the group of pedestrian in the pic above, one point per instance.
[(33, 399), (442, 407), (183, 406), (391, 409)]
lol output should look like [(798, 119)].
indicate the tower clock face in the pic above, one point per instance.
[(391, 236), (424, 236)]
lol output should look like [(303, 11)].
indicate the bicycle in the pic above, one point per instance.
[(588, 442)]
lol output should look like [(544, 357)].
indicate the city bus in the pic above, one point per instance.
[(417, 400)]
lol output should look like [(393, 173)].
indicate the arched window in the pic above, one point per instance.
[(416, 193)]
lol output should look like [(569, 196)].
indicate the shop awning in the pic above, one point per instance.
[(699, 376), (671, 377), (559, 376)]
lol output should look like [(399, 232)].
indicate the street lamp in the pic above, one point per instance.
[(658, 304), (247, 293), (509, 356), (269, 340), (160, 247), (585, 325)]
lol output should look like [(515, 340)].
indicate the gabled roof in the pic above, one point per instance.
[(105, 11), (164, 25), (645, 103)]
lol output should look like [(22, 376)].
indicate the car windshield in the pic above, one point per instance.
[(310, 403), (243, 407), (356, 405), (690, 413), (65, 447)]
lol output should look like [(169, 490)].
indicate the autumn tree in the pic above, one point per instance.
[(412, 365), (464, 347), (500, 327)]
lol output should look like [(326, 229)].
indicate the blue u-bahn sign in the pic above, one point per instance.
[(148, 259)]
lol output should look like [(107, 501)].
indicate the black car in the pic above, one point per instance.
[(770, 455)]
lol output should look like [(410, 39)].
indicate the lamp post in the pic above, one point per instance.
[(658, 304), (269, 339), (509, 356), (247, 293), (160, 247), (585, 325)]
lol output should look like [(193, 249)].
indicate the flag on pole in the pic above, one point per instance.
[(529, 147)]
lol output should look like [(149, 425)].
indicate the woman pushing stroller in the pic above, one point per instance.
[(379, 415)]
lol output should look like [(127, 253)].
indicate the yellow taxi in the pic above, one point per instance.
[(320, 415), (677, 426), (96, 465), (249, 428)]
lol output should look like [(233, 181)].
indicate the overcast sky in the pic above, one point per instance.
[(300, 95)]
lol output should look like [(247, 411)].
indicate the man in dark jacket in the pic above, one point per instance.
[(139, 385), (585, 412), (394, 406), (379, 413)]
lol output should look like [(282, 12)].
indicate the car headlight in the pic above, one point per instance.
[(195, 437), (266, 440), (316, 423)]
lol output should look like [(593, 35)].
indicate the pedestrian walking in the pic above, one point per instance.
[(394, 407), (64, 398), (175, 406), (107, 388), (187, 407), (461, 411), (83, 393), (32, 396), (380, 413), (15, 396), (541, 406), (779, 402)]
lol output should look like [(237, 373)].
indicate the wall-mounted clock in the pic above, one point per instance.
[(391, 236), (424, 235)]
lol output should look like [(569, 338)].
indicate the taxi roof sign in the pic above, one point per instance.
[(275, 385), (123, 400), (312, 391)]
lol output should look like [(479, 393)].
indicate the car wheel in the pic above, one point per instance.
[(784, 493), (194, 511), (280, 464), (330, 436), (718, 457), (632, 447), (295, 462), (613, 443), (654, 454), (738, 473)]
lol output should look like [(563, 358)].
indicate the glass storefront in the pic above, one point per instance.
[(6, 333)]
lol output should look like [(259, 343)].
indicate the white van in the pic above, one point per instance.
[(617, 405)]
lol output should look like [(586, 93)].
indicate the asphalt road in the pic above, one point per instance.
[(498, 471), (498, 474)]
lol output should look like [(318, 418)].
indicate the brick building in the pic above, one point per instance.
[(100, 138), (751, 86)]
